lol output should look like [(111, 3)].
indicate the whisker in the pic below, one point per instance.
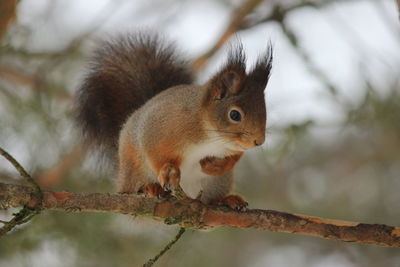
[(222, 131), (246, 133)]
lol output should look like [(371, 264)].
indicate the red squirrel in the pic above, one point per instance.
[(138, 99)]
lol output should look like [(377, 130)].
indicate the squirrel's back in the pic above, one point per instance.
[(124, 73)]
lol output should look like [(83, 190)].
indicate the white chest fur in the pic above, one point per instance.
[(191, 174)]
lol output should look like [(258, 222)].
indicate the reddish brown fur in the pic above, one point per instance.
[(162, 153), (121, 78), (217, 166), (131, 156), (129, 162)]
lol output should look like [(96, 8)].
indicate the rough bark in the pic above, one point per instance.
[(193, 214)]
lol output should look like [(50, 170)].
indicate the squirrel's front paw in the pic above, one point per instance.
[(213, 166), (217, 166), (154, 190), (233, 201), (169, 176)]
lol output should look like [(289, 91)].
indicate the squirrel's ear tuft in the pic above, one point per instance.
[(231, 78), (261, 71)]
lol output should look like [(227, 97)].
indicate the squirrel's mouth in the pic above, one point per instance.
[(241, 147)]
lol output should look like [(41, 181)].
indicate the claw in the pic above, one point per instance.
[(154, 190), (235, 202), (169, 176)]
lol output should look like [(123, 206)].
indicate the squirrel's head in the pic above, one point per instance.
[(235, 103)]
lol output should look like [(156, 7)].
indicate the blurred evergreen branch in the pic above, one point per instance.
[(294, 41), (233, 26), (7, 14), (26, 213)]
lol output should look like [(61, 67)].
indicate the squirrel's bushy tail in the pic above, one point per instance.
[(123, 74)]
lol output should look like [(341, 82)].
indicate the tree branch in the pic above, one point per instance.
[(398, 7), (190, 213), (22, 172), (7, 14)]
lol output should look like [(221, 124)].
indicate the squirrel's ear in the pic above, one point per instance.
[(232, 81), (231, 78), (261, 71)]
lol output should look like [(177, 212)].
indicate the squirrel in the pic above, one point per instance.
[(139, 100)]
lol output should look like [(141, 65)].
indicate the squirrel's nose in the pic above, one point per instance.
[(259, 141)]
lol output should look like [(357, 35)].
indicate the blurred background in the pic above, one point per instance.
[(333, 140)]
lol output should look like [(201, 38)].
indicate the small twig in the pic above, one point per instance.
[(25, 214), (280, 11), (22, 172), (17, 76), (7, 14), (165, 249), (234, 25), (239, 22)]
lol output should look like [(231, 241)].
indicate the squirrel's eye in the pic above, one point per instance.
[(235, 115)]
